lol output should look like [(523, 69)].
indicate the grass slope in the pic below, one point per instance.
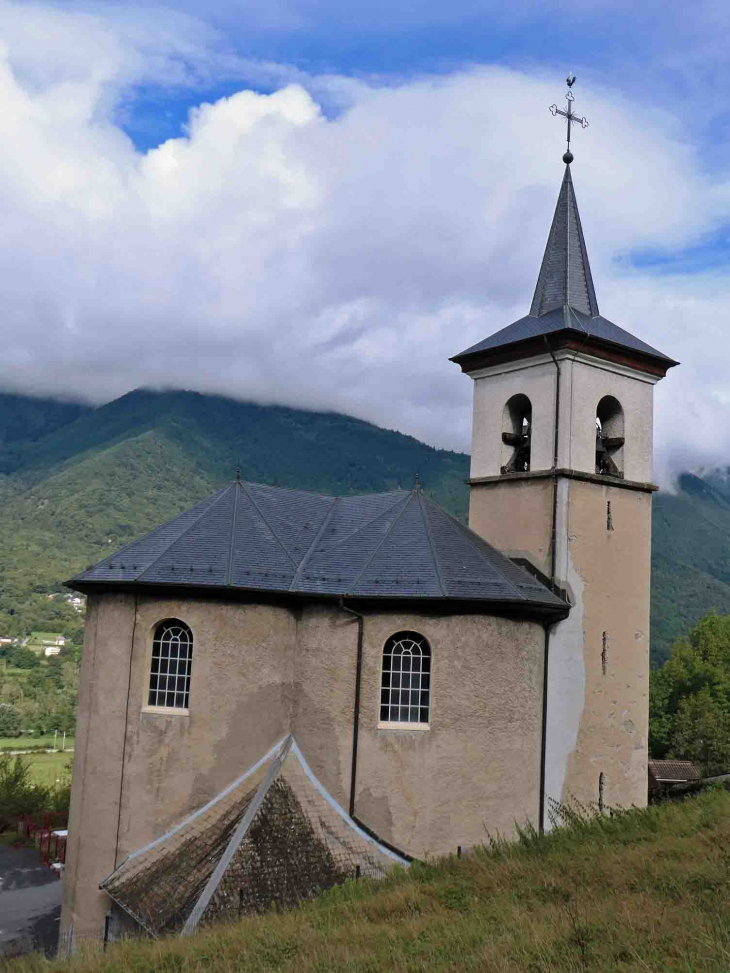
[(642, 891)]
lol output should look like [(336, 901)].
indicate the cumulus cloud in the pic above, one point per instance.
[(277, 254)]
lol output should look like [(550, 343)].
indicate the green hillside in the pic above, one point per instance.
[(644, 890), (77, 483), (86, 486)]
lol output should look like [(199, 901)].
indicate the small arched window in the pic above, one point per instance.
[(516, 434), (609, 437), (405, 688), (172, 662)]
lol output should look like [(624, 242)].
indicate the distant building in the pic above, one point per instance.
[(52, 649), (666, 775)]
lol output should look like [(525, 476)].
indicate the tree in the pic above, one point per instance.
[(23, 658), (10, 723), (702, 733), (689, 699)]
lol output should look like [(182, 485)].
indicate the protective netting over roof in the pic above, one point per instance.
[(273, 837)]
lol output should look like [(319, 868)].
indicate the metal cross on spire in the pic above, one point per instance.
[(571, 117)]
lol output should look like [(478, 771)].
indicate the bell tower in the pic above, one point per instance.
[(561, 474)]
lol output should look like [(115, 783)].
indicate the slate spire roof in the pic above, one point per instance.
[(252, 537), (565, 275), (564, 302)]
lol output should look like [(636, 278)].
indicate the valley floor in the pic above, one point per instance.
[(643, 890)]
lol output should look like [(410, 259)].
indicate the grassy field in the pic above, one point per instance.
[(48, 768), (641, 891), (22, 743)]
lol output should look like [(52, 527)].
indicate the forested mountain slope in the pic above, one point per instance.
[(77, 482)]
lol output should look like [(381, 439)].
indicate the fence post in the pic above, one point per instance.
[(458, 851), (107, 923)]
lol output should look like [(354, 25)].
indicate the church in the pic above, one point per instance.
[(280, 690)]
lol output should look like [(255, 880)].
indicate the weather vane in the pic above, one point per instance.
[(572, 118)]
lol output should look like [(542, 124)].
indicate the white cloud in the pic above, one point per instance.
[(274, 254)]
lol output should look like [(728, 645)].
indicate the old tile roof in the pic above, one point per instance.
[(275, 834), (565, 298), (383, 545), (674, 770)]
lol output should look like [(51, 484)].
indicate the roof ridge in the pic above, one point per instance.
[(348, 537), (471, 535), (317, 537), (432, 546), (383, 540), (187, 530), (265, 520), (232, 546)]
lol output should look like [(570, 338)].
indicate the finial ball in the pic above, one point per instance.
[(568, 157)]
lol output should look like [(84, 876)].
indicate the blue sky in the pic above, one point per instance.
[(317, 204)]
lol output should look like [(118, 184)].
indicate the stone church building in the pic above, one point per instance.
[(278, 684)]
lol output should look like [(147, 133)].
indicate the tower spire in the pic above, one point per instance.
[(565, 275)]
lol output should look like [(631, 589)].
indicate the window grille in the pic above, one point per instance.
[(406, 682), (172, 661)]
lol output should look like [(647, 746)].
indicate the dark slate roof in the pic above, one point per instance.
[(565, 298), (565, 274), (564, 319), (382, 545)]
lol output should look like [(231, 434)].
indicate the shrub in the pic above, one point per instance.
[(10, 724), (23, 658), (18, 794)]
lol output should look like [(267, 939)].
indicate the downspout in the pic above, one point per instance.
[(356, 712), (553, 563)]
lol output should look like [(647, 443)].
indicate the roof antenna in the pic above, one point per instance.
[(238, 474)]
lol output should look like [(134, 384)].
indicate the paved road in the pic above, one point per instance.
[(30, 903)]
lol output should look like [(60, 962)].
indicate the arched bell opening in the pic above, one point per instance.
[(516, 434), (609, 437)]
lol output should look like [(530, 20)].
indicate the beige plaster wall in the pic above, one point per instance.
[(492, 389), (615, 567), (260, 671), (478, 764), (515, 516), (240, 705), (584, 380)]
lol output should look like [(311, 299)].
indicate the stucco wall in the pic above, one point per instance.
[(260, 671), (493, 387), (584, 381), (614, 568), (515, 516)]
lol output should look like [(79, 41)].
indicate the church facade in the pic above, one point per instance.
[(438, 681)]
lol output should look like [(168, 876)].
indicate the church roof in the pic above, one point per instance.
[(396, 545), (565, 299)]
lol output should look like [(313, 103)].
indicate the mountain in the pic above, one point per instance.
[(87, 481), (77, 482), (690, 556)]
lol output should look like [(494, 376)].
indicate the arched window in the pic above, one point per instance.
[(405, 688), (609, 437), (516, 434), (172, 662)]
